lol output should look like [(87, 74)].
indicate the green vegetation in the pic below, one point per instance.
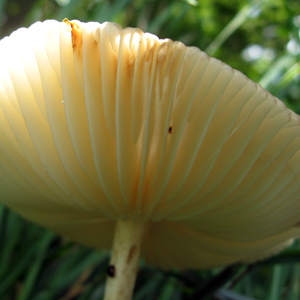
[(259, 38)]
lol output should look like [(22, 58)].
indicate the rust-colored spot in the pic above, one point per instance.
[(132, 253), (170, 129), (76, 34)]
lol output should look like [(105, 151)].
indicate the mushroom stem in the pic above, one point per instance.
[(124, 262)]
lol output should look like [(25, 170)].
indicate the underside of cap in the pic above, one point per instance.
[(99, 123)]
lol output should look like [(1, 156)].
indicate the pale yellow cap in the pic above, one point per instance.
[(100, 123)]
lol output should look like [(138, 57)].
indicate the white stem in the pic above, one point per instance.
[(124, 262)]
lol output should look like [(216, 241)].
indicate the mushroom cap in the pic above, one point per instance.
[(100, 123)]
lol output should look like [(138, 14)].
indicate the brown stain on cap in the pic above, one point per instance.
[(76, 34)]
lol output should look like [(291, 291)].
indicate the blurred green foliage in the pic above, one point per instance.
[(258, 37)]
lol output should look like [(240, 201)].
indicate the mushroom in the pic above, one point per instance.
[(115, 138)]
